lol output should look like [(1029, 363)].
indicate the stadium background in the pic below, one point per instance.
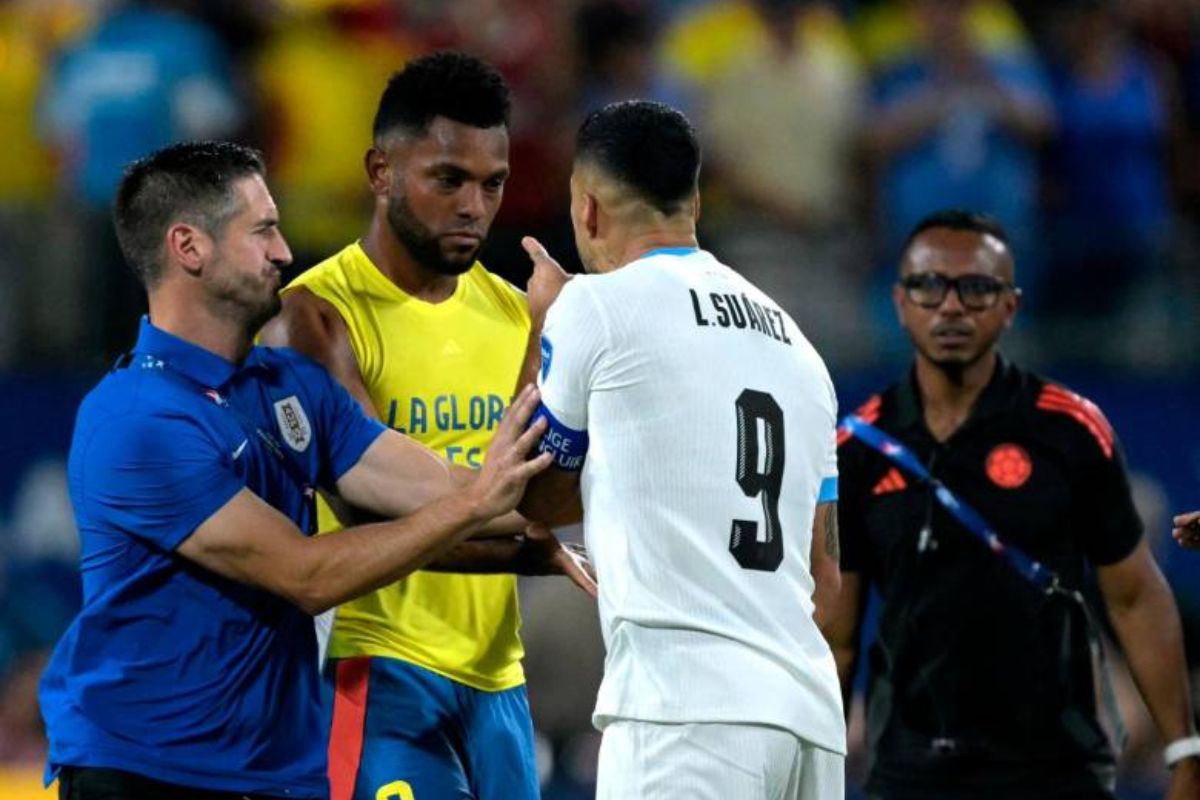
[(806, 190)]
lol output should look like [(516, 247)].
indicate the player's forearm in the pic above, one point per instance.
[(846, 658), (1150, 633), (842, 630), (396, 476), (828, 583), (552, 498), (480, 557), (353, 562), (824, 561), (502, 527)]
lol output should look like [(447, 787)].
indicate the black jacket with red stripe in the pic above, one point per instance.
[(979, 684)]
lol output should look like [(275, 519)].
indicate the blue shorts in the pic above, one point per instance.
[(400, 732)]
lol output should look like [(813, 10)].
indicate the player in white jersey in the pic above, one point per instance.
[(698, 424)]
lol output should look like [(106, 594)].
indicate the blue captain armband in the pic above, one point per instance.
[(829, 490), (568, 445)]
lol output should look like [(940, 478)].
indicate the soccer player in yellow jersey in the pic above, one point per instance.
[(430, 700)]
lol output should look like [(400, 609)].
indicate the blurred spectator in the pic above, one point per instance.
[(29, 31), (957, 121), (887, 31), (320, 76), (22, 740), (616, 57), (778, 88), (43, 523), (1109, 205), (39, 583), (146, 76), (1171, 29), (797, 77)]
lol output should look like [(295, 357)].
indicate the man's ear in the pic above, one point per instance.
[(591, 214), (188, 246), (696, 206), (1013, 305), (898, 304), (379, 171)]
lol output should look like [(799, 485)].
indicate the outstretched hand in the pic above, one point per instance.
[(547, 279), (508, 468), (1187, 530), (543, 554)]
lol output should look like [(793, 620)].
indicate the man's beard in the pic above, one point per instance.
[(421, 242), (242, 299), (260, 315), (955, 364)]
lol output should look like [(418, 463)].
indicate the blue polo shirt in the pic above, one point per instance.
[(172, 671)]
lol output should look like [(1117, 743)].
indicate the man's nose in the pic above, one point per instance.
[(279, 253), (470, 202), (952, 303)]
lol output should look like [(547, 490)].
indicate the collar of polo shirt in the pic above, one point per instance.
[(201, 365)]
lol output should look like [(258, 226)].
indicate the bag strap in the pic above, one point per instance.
[(892, 449)]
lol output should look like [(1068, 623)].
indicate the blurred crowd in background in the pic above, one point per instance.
[(829, 129)]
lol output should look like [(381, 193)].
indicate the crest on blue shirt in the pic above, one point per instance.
[(293, 423), (547, 356)]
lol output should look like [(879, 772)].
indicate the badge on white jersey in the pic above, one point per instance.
[(293, 423), (547, 356)]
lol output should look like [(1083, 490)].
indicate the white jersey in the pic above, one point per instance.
[(711, 422)]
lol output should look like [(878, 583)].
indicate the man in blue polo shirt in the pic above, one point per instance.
[(191, 671)]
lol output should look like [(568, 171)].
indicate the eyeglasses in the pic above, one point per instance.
[(975, 292)]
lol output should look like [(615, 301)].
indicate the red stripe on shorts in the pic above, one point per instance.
[(349, 718)]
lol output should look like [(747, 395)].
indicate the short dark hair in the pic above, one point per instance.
[(957, 219), (447, 84), (193, 182), (648, 146)]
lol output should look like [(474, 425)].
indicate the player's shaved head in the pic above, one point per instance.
[(621, 201), (648, 150), (453, 85)]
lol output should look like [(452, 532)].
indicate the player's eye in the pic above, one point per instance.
[(927, 289), (979, 291)]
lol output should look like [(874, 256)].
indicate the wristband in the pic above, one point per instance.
[(1180, 749)]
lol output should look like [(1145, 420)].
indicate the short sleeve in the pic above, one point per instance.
[(1109, 526), (828, 491), (1112, 526), (573, 339), (345, 429), (572, 344), (157, 477)]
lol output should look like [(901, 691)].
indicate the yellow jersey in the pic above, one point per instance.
[(442, 373)]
